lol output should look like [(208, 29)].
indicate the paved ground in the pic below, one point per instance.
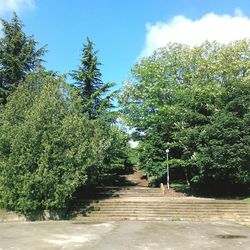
[(123, 235)]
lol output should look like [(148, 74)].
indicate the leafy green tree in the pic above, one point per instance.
[(178, 95), (45, 147), (90, 85), (224, 152), (49, 149), (18, 56)]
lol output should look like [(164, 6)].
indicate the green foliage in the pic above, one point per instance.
[(54, 137), (18, 56), (247, 199), (196, 103), (48, 148), (133, 156), (90, 85), (42, 162), (225, 155)]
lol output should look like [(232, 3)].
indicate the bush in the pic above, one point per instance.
[(48, 148)]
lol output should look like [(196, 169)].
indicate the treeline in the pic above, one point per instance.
[(55, 137), (194, 102)]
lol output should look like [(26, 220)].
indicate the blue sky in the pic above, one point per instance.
[(122, 30)]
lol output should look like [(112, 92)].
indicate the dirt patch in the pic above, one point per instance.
[(171, 192), (137, 179)]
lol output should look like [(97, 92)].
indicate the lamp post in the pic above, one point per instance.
[(167, 151)]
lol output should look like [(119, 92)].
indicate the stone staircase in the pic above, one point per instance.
[(149, 204)]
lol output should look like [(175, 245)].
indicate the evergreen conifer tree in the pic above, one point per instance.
[(89, 83), (18, 56)]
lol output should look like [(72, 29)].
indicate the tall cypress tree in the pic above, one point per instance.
[(89, 83), (18, 56)]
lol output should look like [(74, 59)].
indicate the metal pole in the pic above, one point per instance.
[(167, 151)]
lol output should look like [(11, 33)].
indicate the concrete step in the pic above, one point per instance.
[(140, 190), (163, 215), (160, 218), (169, 201), (161, 204), (166, 209), (173, 207), (126, 188), (242, 213), (124, 209), (164, 205), (100, 195), (143, 203), (189, 209), (170, 216), (144, 210), (165, 201), (130, 192)]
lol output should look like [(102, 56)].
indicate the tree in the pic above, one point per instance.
[(44, 146), (194, 101), (224, 152), (18, 56), (90, 85), (48, 149)]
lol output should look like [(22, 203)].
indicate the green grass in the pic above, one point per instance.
[(247, 199)]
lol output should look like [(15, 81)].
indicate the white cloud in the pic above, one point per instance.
[(15, 5), (180, 29)]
